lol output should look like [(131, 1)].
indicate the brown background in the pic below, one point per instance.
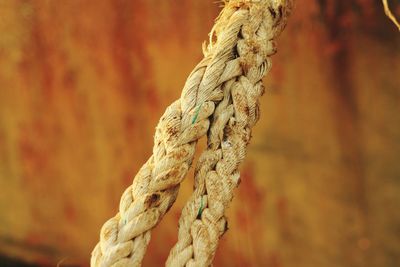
[(83, 83)]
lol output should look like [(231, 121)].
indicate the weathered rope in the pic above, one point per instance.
[(124, 238), (230, 57), (202, 222)]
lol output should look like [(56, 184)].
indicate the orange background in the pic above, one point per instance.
[(83, 84)]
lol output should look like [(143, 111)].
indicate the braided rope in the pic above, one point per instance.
[(202, 222), (124, 238), (234, 58)]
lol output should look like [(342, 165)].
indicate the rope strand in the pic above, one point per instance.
[(124, 238), (225, 85), (202, 222)]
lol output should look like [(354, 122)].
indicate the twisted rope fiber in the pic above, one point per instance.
[(124, 238), (203, 222)]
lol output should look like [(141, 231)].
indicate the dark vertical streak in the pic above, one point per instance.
[(346, 116)]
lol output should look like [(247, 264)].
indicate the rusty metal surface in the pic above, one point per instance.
[(83, 83)]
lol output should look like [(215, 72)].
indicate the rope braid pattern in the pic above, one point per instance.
[(124, 238), (202, 222)]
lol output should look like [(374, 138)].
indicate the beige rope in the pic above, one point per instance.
[(124, 238), (240, 43), (202, 222)]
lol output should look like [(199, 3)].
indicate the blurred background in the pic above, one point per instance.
[(83, 84)]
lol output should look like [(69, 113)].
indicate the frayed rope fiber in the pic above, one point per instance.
[(389, 14)]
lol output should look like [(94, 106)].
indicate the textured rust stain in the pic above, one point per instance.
[(84, 84)]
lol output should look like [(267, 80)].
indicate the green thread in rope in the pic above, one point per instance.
[(196, 114), (201, 208)]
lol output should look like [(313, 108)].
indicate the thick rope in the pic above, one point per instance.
[(202, 222), (124, 238)]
